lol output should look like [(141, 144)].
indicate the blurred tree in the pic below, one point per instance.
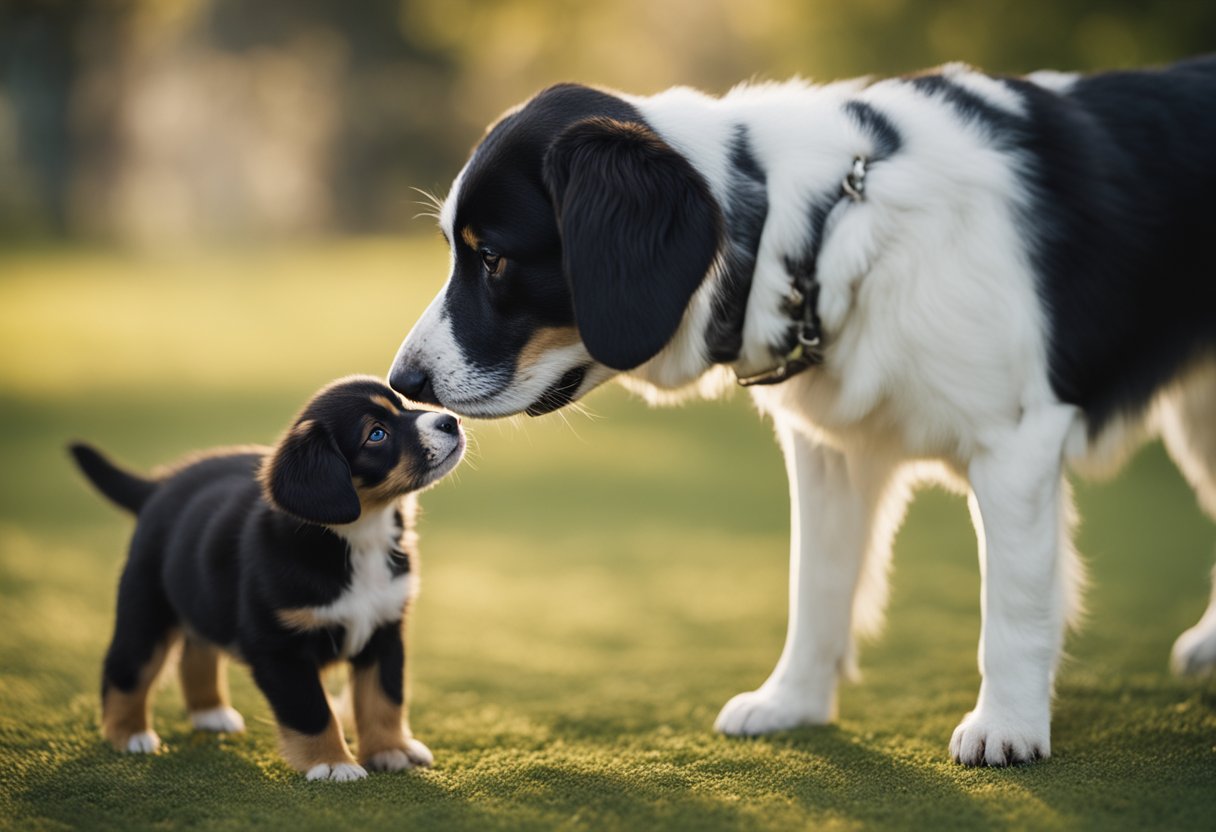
[(148, 121)]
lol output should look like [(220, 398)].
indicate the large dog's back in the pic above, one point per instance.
[(1124, 182)]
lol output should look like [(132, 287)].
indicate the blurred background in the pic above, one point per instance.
[(155, 122), (207, 211)]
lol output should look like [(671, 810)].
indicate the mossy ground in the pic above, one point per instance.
[(594, 591)]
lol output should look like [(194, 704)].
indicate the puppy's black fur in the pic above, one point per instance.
[(236, 547)]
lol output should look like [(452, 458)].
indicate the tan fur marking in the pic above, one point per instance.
[(470, 238), (546, 339), (204, 675), (387, 403), (303, 751), (299, 618), (401, 480), (124, 713), (380, 721)]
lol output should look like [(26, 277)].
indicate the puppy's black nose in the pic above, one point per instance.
[(414, 384), (447, 424)]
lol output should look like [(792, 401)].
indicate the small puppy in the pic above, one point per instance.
[(291, 558)]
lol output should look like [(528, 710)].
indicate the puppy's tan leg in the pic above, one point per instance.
[(378, 681), (322, 756), (204, 675), (126, 719)]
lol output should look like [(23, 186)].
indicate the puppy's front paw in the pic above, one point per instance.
[(764, 711), (339, 772), (413, 755), (143, 742), (222, 720), (999, 740)]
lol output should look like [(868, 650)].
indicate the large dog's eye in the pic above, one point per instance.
[(493, 262), (378, 434)]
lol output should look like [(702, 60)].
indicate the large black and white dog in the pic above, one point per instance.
[(955, 275)]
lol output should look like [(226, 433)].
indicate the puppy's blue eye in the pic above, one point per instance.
[(377, 435)]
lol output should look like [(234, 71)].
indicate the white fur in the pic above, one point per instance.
[(1054, 80), (374, 596), (338, 772), (143, 742), (935, 367), (221, 720), (414, 755)]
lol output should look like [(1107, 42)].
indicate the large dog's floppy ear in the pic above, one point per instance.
[(639, 231), (308, 476)]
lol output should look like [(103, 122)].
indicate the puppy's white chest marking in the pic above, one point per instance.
[(378, 590)]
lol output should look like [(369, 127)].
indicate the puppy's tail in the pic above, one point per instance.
[(126, 489)]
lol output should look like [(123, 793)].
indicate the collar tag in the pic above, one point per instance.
[(854, 184)]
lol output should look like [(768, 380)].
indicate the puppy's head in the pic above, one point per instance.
[(578, 237), (354, 447)]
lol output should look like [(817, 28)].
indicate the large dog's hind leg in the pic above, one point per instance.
[(1020, 504), (834, 549), (1188, 425)]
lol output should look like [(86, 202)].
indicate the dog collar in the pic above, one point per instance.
[(801, 304)]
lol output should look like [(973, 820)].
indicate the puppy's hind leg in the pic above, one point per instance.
[(204, 675), (836, 546), (143, 633), (1188, 426)]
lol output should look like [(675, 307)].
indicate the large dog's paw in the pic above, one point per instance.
[(766, 710), (338, 772), (413, 755), (1194, 652), (221, 720), (999, 740)]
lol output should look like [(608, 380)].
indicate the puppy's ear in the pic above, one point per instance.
[(639, 231), (308, 476)]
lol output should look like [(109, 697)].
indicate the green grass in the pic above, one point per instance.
[(594, 591)]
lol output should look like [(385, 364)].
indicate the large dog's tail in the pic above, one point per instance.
[(123, 487)]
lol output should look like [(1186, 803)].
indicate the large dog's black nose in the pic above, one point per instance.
[(414, 384)]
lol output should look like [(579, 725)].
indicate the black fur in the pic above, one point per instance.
[(1123, 173), (225, 542), (311, 477), (639, 231), (506, 202), (746, 211), (887, 139), (125, 489)]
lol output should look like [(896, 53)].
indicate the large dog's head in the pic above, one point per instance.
[(578, 238)]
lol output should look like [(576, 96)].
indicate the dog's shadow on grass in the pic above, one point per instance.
[(230, 780), (704, 781)]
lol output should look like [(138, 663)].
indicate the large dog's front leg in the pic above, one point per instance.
[(1019, 502), (833, 500)]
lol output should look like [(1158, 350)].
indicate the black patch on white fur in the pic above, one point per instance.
[(1121, 229), (399, 557), (746, 210), (887, 139), (967, 105)]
